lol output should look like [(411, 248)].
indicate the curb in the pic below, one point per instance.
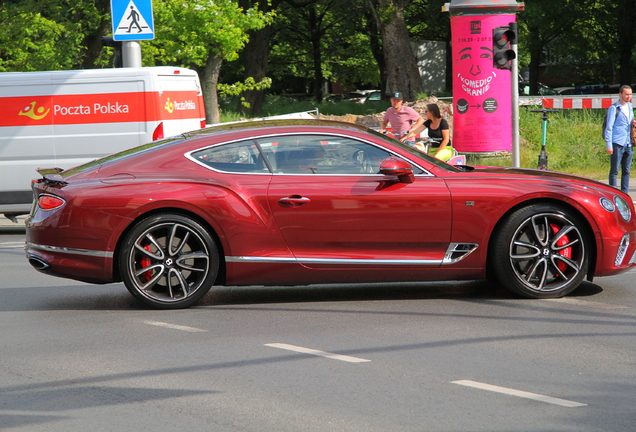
[(8, 227)]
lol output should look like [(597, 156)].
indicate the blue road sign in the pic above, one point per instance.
[(132, 20)]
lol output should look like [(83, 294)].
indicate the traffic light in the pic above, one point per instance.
[(502, 52), (116, 46)]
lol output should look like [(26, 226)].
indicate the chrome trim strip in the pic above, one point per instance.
[(259, 259), (332, 261), (72, 251), (188, 155)]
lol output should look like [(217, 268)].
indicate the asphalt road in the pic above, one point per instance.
[(406, 357)]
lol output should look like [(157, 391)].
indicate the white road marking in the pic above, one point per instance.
[(519, 393), (317, 353), (11, 245), (174, 326), (587, 303)]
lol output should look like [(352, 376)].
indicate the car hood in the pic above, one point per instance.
[(544, 175)]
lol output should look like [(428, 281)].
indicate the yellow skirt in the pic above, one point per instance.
[(444, 154)]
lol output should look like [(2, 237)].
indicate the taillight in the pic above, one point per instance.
[(203, 125), (158, 133), (50, 202)]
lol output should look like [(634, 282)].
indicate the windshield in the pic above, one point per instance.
[(417, 153)]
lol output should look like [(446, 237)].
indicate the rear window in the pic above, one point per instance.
[(238, 157)]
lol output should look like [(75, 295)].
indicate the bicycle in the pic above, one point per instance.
[(399, 136), (430, 146)]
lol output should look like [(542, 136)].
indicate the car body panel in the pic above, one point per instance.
[(334, 223)]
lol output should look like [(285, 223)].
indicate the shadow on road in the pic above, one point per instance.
[(116, 297)]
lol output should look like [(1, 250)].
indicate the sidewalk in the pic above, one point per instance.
[(8, 227)]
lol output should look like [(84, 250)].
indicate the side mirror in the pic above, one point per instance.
[(394, 166)]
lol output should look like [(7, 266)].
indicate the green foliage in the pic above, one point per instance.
[(34, 39), (573, 142), (387, 13), (189, 32), (577, 39), (239, 87), (325, 30), (277, 105), (427, 21)]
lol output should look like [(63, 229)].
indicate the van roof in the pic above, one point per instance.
[(53, 76)]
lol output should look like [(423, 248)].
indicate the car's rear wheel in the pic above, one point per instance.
[(541, 251), (168, 261)]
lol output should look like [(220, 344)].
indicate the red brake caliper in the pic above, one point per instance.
[(567, 252), (145, 262)]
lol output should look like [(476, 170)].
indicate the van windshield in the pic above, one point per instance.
[(121, 155)]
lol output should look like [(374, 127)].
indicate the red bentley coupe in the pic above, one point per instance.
[(298, 202)]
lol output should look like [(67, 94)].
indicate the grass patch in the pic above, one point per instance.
[(573, 143)]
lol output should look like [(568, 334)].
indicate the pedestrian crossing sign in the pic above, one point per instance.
[(132, 20)]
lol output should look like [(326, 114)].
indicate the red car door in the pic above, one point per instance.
[(336, 214)]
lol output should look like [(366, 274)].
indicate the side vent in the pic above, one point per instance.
[(458, 251)]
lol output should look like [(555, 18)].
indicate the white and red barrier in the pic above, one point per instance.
[(579, 102)]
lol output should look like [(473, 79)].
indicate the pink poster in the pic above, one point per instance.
[(482, 120)]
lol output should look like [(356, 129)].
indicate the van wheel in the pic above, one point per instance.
[(169, 261), (541, 251)]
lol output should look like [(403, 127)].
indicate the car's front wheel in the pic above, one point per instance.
[(168, 261), (541, 251)]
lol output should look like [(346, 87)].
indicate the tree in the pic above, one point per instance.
[(201, 35), (625, 14), (255, 57), (427, 21), (52, 35), (402, 73), (322, 41), (35, 38), (583, 40), (305, 41)]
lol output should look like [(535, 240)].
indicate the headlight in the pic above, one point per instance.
[(623, 208), (607, 204)]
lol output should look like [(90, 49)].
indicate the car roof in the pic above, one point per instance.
[(267, 124)]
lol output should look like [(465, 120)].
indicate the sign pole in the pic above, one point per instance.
[(132, 21), (516, 157), (131, 54)]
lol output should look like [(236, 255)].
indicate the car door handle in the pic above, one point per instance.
[(293, 201)]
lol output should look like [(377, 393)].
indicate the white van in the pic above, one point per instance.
[(66, 118)]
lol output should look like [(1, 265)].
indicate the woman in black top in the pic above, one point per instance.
[(437, 128)]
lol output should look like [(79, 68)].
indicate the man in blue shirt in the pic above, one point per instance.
[(618, 137)]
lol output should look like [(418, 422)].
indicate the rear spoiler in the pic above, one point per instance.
[(52, 175)]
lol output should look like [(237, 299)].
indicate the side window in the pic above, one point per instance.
[(239, 157), (315, 154)]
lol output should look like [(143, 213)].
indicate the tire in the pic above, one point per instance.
[(168, 261), (541, 251)]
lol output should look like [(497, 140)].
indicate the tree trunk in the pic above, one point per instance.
[(256, 59), (403, 74), (209, 82), (535, 47), (626, 40), (316, 36), (378, 53), (93, 44)]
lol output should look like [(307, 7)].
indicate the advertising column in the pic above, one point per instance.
[(482, 95)]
